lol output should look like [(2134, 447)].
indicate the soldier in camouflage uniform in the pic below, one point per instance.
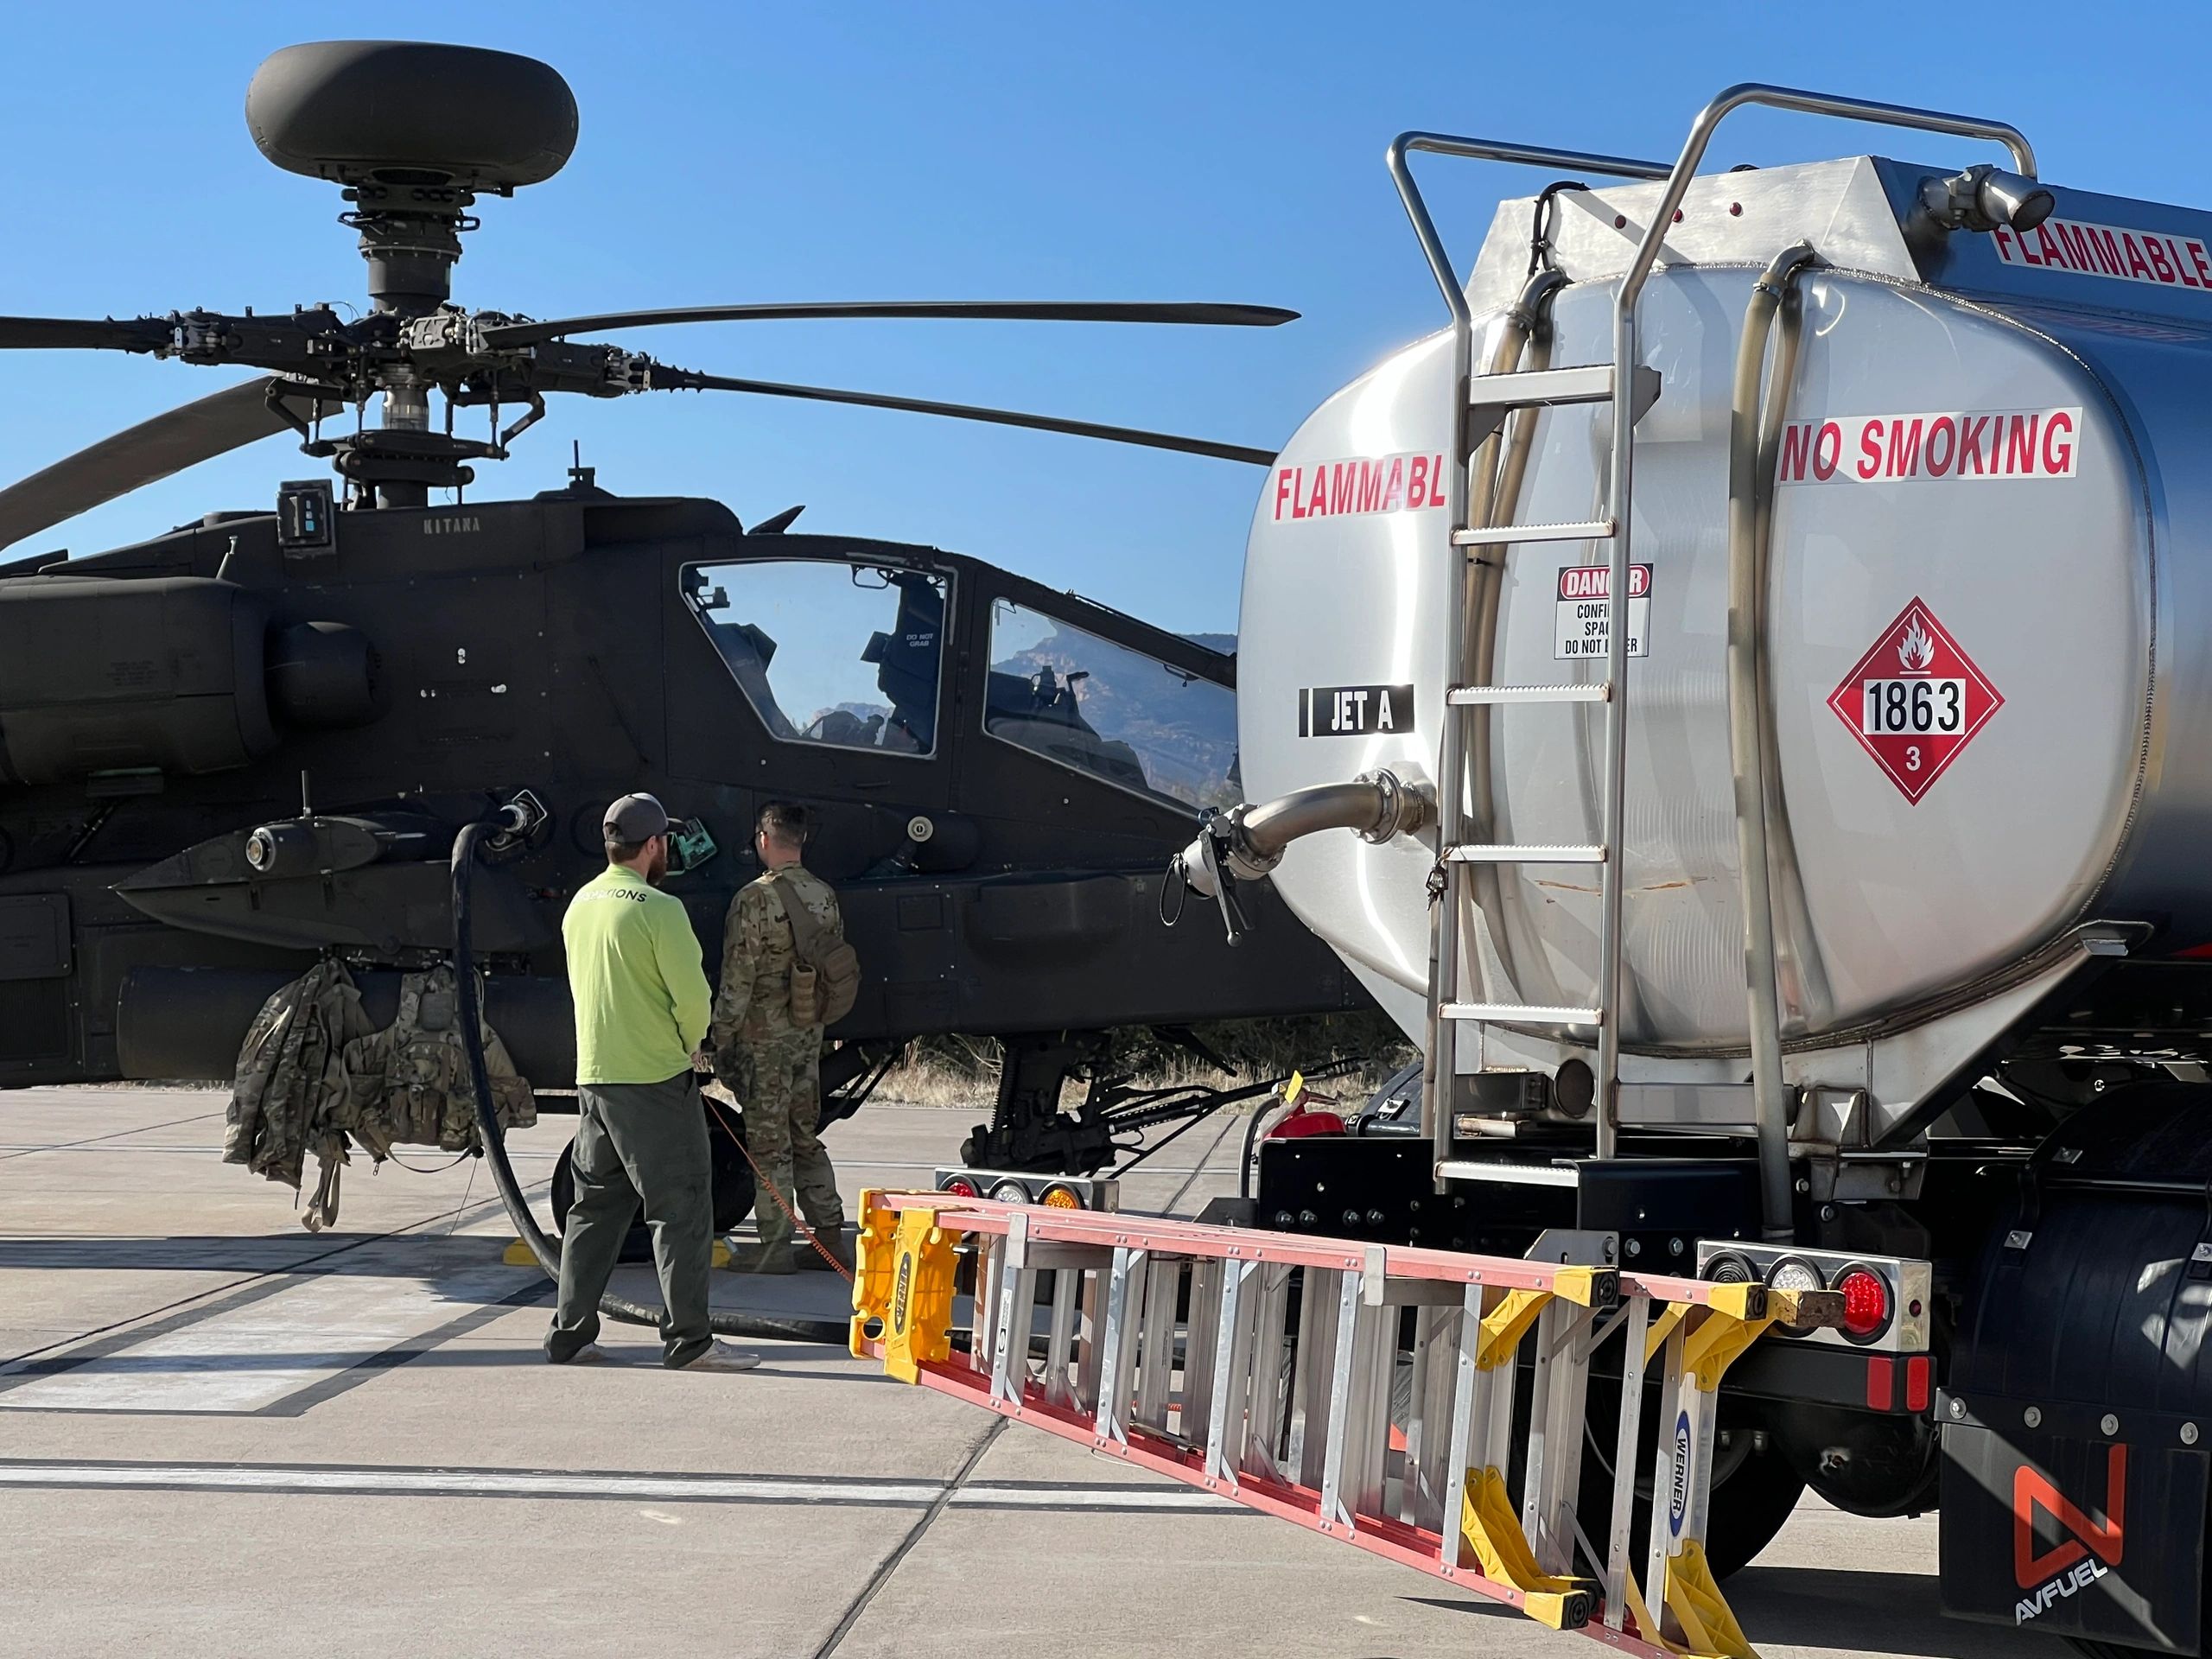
[(770, 1063)]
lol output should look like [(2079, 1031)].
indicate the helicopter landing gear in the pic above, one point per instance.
[(1029, 1132)]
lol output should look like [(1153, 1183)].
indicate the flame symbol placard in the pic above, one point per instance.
[(1915, 649), (1915, 727)]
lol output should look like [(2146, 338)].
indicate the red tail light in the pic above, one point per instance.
[(1866, 1303), (961, 1187)]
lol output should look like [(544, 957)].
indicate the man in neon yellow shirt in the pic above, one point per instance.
[(642, 1007)]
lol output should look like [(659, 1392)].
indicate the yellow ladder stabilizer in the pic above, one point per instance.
[(1493, 1532), (1699, 1608), (1661, 1327), (1697, 1603), (1736, 1317), (1505, 1325)]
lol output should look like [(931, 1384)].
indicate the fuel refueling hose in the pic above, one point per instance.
[(723, 1322)]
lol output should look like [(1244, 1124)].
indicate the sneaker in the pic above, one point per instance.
[(590, 1354), (721, 1356), (761, 1258)]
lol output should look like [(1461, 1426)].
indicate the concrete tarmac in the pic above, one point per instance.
[(220, 1435)]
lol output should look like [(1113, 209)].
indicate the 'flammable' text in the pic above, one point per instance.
[(1382, 484), (2133, 256)]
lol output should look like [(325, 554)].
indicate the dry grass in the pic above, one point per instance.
[(933, 1080)]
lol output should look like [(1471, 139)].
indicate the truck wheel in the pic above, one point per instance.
[(1749, 1509), (1754, 1492)]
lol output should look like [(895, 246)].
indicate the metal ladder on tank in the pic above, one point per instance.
[(1480, 404)]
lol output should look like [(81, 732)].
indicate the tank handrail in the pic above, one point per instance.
[(1767, 96), (1487, 149)]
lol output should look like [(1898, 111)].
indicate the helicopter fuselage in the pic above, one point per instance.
[(997, 772)]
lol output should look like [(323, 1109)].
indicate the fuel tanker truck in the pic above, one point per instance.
[(1741, 695)]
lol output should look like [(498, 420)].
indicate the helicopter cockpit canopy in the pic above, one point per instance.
[(843, 654), (1104, 707)]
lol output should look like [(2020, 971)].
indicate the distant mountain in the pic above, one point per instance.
[(1183, 731)]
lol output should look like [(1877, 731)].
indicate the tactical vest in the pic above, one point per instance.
[(314, 1072)]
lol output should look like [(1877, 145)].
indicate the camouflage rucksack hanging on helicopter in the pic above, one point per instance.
[(315, 1070)]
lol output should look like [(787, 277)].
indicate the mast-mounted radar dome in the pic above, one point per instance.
[(412, 112), (412, 130)]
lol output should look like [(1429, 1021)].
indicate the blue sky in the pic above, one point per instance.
[(742, 152)]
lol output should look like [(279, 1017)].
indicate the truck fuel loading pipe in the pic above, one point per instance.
[(724, 1322), (1747, 723), (1246, 843)]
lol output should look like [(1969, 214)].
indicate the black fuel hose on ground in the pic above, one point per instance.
[(724, 1323)]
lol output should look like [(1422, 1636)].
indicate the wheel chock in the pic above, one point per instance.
[(520, 1255)]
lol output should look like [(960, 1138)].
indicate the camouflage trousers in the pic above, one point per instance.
[(779, 1085)]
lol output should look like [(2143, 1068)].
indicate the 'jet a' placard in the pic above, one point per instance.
[(1355, 710)]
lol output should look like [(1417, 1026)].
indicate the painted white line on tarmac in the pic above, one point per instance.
[(256, 1355), (538, 1484)]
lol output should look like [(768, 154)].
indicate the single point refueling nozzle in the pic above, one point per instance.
[(516, 822), (1246, 843), (1985, 199)]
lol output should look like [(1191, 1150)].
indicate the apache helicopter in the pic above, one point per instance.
[(253, 739)]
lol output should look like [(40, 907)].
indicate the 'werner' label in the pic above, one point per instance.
[(1972, 444), (1330, 489), (2130, 256), (1354, 710)]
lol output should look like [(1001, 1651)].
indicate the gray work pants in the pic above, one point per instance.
[(638, 1142)]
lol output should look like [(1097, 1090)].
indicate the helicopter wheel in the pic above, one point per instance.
[(733, 1189)]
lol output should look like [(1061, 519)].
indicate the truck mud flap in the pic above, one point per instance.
[(2077, 1411), (2074, 1534)]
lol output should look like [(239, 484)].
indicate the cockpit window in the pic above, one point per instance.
[(1107, 710), (828, 652)]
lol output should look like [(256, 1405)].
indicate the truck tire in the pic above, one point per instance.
[(1753, 1497)]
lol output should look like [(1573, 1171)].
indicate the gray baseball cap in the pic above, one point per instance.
[(635, 818)]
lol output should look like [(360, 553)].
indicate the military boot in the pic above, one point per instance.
[(760, 1258), (840, 1249)]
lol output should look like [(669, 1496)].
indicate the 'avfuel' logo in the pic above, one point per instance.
[(2093, 1551)]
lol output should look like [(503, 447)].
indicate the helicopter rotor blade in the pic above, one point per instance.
[(83, 333), (152, 449), (1199, 313), (685, 380)]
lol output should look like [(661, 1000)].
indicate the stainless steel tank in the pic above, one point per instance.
[(1990, 679)]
